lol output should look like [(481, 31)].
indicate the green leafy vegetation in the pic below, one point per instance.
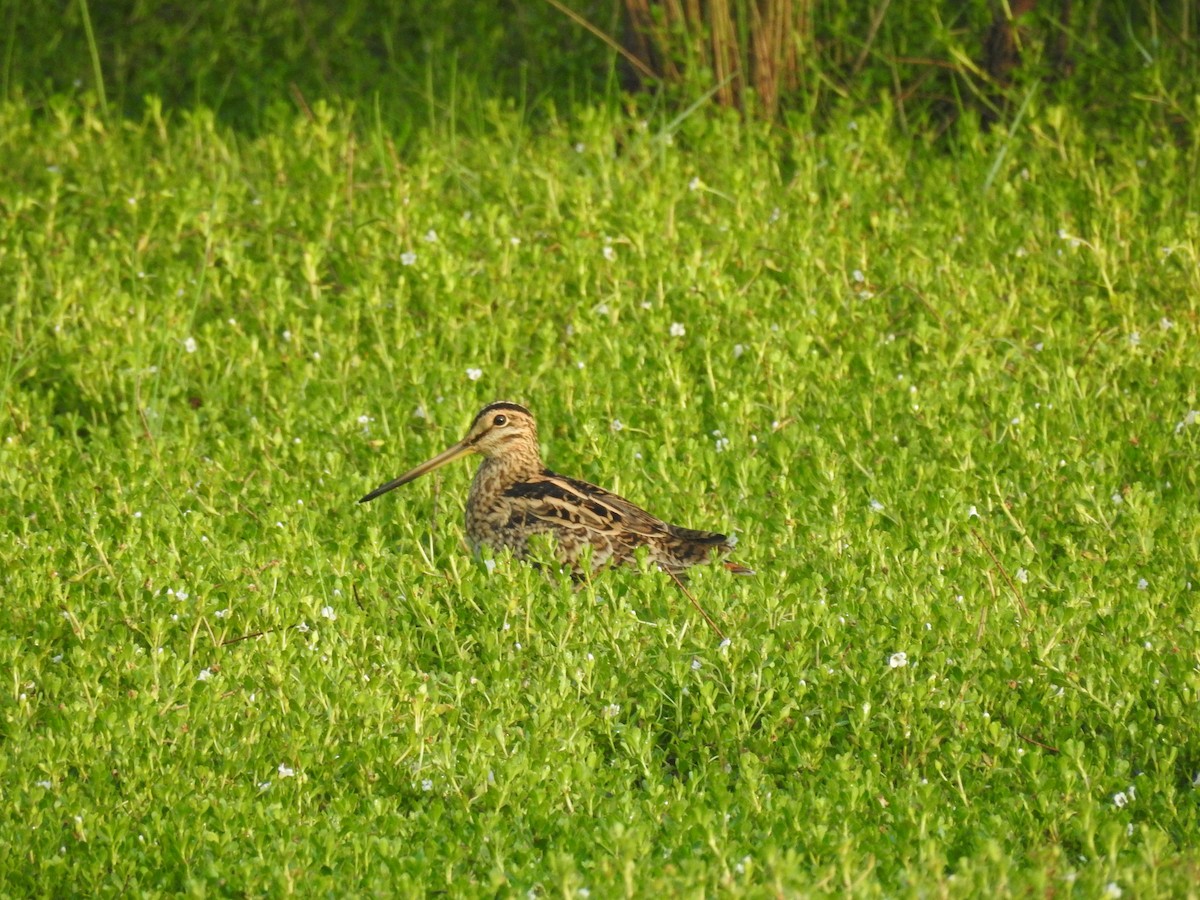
[(944, 392)]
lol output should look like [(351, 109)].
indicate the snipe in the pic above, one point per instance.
[(514, 497)]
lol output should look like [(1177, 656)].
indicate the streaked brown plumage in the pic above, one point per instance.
[(514, 497)]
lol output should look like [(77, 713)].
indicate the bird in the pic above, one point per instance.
[(515, 498)]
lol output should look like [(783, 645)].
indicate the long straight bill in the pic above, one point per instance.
[(460, 449)]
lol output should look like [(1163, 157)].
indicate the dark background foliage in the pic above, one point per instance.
[(409, 60)]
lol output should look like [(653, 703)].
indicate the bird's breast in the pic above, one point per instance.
[(490, 510)]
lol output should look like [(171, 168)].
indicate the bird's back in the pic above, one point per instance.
[(578, 515)]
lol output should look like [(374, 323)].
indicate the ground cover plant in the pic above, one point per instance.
[(945, 395)]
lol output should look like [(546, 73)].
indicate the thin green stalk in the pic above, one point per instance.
[(94, 52)]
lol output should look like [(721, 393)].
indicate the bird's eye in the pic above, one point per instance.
[(500, 421)]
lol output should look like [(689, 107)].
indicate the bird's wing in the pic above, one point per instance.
[(561, 501)]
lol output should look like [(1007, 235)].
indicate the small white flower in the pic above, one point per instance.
[(431, 236), (515, 241), (408, 258), (427, 784), (738, 350), (286, 771), (328, 612), (694, 184), (1117, 499), (1022, 575), (364, 419), (264, 786), (490, 565), (302, 627), (601, 309), (612, 710), (189, 344), (722, 444), (1135, 338), (474, 374), (286, 335), (875, 505), (1021, 251), (616, 425), (1015, 420), (223, 613), (46, 785), (180, 595), (204, 675), (138, 514), (898, 660), (132, 201), (1165, 324), (609, 252), (858, 276), (724, 645), (696, 664), (1143, 584), (579, 147), (677, 329), (972, 512), (1112, 890)]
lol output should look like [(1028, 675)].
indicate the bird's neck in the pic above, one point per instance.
[(497, 474)]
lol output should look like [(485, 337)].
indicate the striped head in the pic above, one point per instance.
[(503, 432), (503, 429)]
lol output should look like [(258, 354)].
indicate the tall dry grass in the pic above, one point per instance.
[(751, 51)]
